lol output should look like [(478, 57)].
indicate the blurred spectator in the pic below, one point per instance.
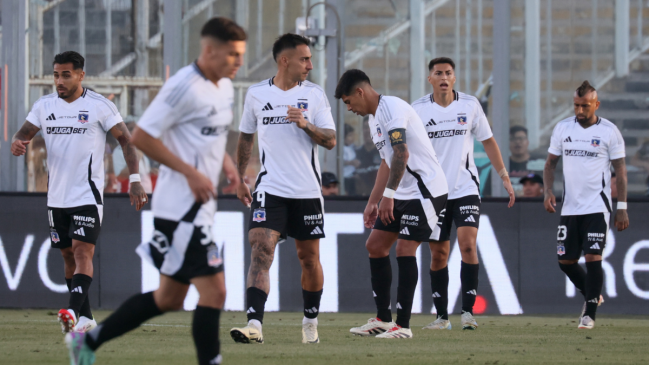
[(532, 186), (121, 170), (37, 164), (641, 160), (519, 151), (349, 160), (369, 162), (613, 185), (329, 184)]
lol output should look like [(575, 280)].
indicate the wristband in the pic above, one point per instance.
[(503, 173), (621, 205), (389, 193), (134, 178)]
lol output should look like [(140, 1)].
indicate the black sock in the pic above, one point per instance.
[(130, 315), (205, 330), (594, 282), (381, 272), (439, 287), (256, 299), (85, 307), (469, 280), (408, 276), (79, 292), (311, 303), (577, 276)]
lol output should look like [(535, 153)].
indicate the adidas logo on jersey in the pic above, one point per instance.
[(77, 290), (432, 122), (267, 107), (436, 295), (212, 112), (80, 232), (51, 117), (568, 139), (405, 231), (251, 310), (470, 219), (595, 246), (472, 292), (317, 230)]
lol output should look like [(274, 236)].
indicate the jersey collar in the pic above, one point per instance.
[(271, 82), (198, 70), (456, 97), (599, 119)]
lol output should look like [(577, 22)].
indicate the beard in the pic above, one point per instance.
[(68, 93)]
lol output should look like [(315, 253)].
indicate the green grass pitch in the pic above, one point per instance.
[(34, 337)]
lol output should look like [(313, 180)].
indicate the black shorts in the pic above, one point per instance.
[(577, 233), (416, 219), (302, 219), (182, 250), (464, 211), (79, 223)]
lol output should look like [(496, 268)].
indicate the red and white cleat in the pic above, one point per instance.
[(396, 332), (67, 320), (374, 326)]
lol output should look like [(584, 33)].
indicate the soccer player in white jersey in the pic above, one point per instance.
[(74, 122), (185, 129), (412, 190), (292, 117), (452, 120), (589, 145)]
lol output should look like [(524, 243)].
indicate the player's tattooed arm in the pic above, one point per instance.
[(123, 136), (21, 139), (398, 165), (621, 215), (262, 242), (244, 150), (548, 182), (324, 137)]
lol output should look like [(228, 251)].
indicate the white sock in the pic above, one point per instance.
[(255, 323), (310, 320)]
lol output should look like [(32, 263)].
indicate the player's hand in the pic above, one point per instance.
[(386, 208), (295, 115), (233, 179), (550, 202), (621, 219), (370, 214), (137, 195), (510, 190), (243, 193), (19, 148), (201, 186)]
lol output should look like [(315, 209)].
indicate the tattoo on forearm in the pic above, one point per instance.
[(324, 137), (123, 136), (548, 172), (398, 165), (620, 172), (26, 132), (244, 150), (263, 242)]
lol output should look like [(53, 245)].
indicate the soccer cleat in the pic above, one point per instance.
[(85, 324), (468, 322), (586, 323), (310, 333), (374, 326), (247, 334), (396, 332), (67, 320), (80, 353), (583, 309), (439, 324)]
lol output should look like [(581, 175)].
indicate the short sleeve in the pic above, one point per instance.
[(616, 148), (248, 118), (110, 115), (555, 141), (480, 128), (322, 117), (34, 116), (393, 117), (164, 111)]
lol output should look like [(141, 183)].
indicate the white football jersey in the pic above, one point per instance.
[(192, 116), (289, 157), (451, 131), (587, 155), (75, 138), (424, 177)]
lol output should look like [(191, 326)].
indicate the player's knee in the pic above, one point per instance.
[(68, 255), (170, 303), (440, 260), (309, 262), (373, 247), (82, 255), (468, 250)]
